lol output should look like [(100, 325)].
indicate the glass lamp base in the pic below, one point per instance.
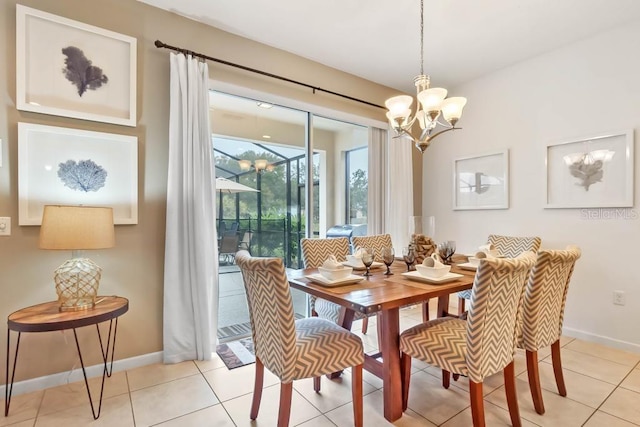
[(77, 282)]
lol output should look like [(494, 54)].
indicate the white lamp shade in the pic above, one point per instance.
[(261, 164), (431, 99), (398, 115), (423, 119), (452, 107), (398, 103), (245, 165)]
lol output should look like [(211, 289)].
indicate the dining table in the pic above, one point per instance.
[(384, 295)]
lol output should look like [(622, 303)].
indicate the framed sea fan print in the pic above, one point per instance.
[(591, 172), (62, 166), (68, 68)]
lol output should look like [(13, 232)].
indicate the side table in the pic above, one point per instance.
[(46, 317)]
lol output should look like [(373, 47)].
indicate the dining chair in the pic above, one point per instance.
[(507, 246), (480, 346), (376, 242), (314, 253), (542, 314), (293, 349)]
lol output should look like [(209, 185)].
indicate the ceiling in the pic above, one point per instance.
[(379, 39)]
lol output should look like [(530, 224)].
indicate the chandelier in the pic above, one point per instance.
[(259, 165), (431, 104)]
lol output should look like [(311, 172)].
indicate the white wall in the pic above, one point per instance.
[(583, 89)]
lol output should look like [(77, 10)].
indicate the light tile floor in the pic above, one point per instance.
[(603, 390)]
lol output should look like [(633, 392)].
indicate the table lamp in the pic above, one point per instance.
[(77, 228)]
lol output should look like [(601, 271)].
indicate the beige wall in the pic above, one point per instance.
[(134, 268)]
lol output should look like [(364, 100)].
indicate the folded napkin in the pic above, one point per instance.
[(489, 250), (332, 263), (357, 253), (433, 261)]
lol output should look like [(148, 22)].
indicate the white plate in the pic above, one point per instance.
[(375, 264), (468, 266), (321, 280), (449, 277)]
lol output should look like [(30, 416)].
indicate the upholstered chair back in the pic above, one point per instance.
[(511, 247), (491, 326), (316, 251), (376, 242), (270, 312), (545, 298)]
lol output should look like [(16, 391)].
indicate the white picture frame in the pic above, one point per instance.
[(481, 181), (63, 166), (591, 172), (46, 83)]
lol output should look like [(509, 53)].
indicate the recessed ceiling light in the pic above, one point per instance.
[(266, 136), (264, 105)]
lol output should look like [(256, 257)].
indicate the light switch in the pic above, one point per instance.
[(5, 226)]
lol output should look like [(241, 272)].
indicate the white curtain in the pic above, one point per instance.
[(400, 201), (190, 270), (377, 181)]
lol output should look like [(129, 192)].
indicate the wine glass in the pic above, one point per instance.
[(409, 256), (388, 256), (446, 250), (367, 259)]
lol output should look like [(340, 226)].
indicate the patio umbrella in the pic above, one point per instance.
[(224, 185)]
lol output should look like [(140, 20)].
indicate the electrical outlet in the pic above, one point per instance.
[(5, 226), (618, 298)]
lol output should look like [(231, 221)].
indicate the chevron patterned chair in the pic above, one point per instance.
[(314, 253), (481, 346), (509, 247), (377, 242), (540, 323), (293, 349)]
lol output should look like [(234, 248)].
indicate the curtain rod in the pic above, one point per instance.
[(160, 44)]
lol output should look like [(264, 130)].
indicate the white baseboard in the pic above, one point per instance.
[(54, 380), (609, 342)]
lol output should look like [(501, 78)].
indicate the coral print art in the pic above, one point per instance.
[(80, 71), (84, 175)]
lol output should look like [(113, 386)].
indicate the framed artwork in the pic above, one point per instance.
[(67, 68), (481, 181), (594, 172), (62, 166)]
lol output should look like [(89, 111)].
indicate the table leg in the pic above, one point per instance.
[(8, 387), (443, 306), (392, 385), (106, 372)]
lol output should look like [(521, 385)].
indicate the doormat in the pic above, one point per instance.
[(238, 353)]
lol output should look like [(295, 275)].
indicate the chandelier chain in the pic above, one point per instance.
[(421, 37)]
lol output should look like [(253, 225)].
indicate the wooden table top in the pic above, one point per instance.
[(380, 292), (47, 316)]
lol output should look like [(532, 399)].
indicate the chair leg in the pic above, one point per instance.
[(365, 325), (405, 377), (461, 302), (316, 384), (456, 376), (425, 311), (356, 395), (557, 368), (445, 378), (284, 412), (534, 381), (257, 389), (512, 395), (477, 404)]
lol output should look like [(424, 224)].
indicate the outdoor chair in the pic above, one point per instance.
[(293, 349), (540, 322), (480, 346), (228, 248)]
